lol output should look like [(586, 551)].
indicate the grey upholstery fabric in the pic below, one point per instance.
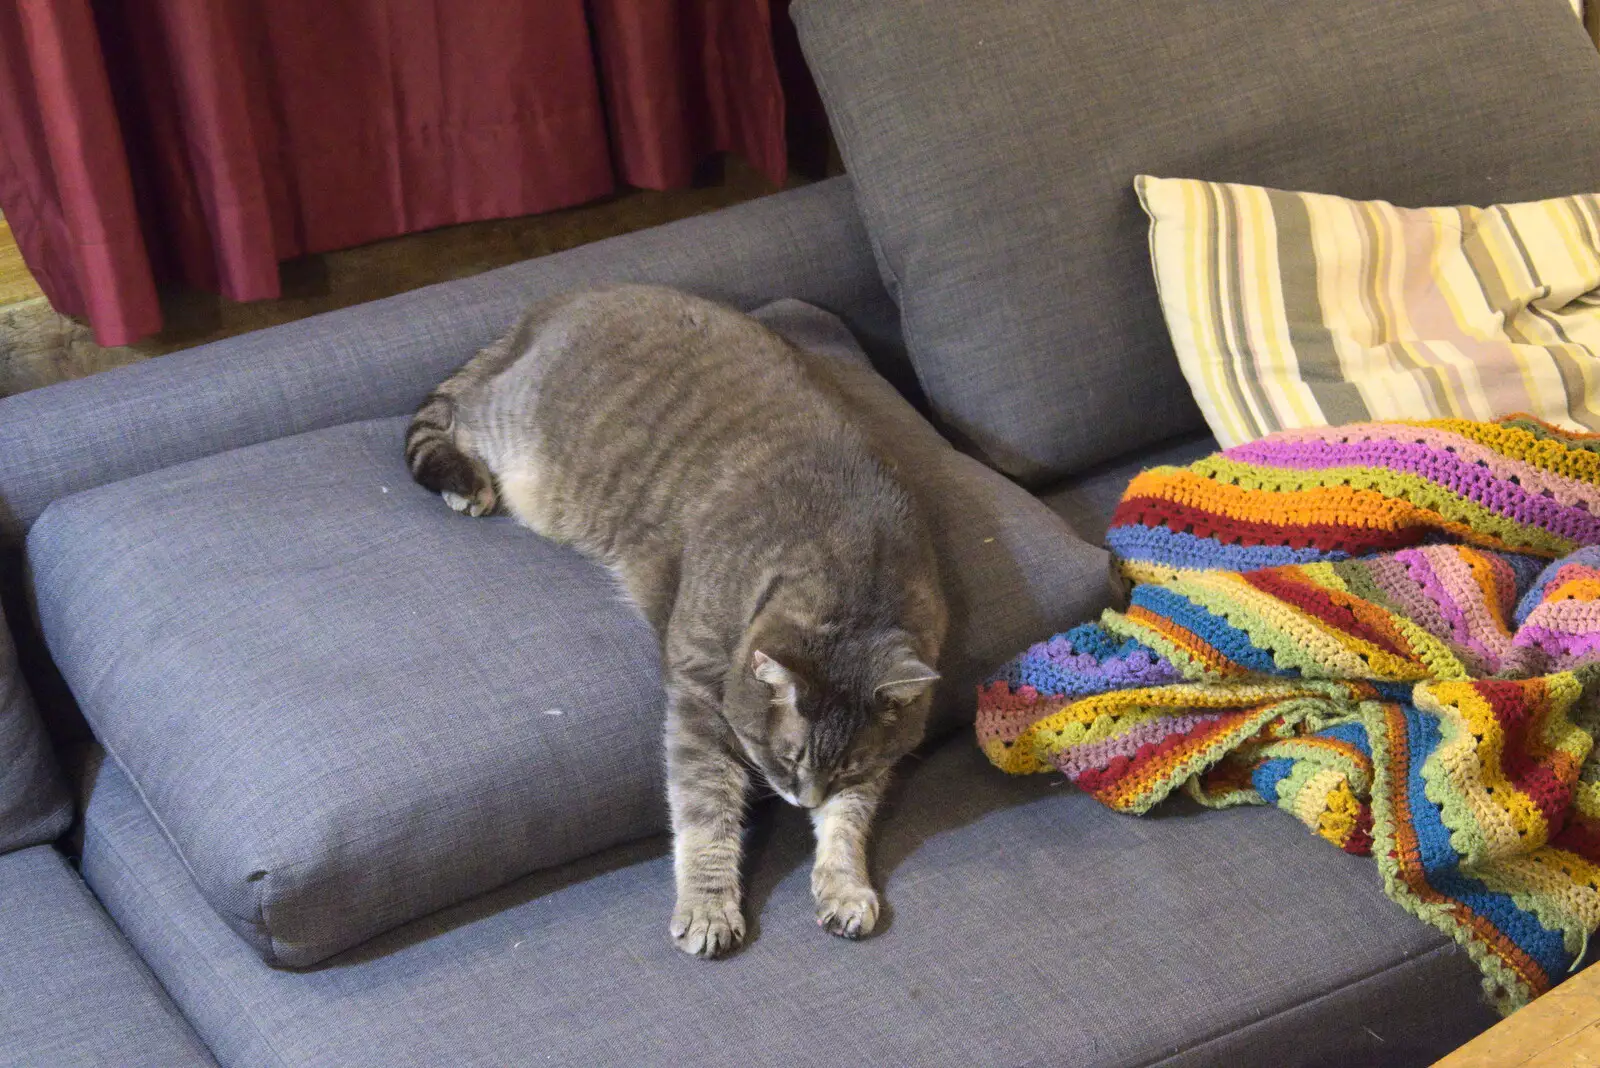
[(34, 806), (349, 706), (380, 359), (993, 149), (1029, 926), (1395, 1030), (72, 991), (1086, 501)]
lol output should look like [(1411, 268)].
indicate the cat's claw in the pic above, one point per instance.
[(708, 928), (850, 912), (481, 502)]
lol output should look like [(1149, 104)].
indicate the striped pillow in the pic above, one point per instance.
[(1298, 309)]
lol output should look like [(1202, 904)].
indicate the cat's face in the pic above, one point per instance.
[(814, 725)]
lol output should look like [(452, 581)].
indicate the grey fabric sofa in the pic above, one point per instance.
[(361, 782)]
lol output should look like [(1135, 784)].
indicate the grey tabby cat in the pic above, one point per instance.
[(711, 465)]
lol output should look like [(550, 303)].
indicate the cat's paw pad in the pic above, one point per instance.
[(847, 911), (708, 928), (481, 502)]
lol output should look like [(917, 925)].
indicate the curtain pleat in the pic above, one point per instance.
[(151, 141), (64, 183), (685, 78)]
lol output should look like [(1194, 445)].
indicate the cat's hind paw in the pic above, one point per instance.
[(849, 911), (482, 501), (708, 927)]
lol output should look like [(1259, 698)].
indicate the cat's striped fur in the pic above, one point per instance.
[(717, 470), (440, 456)]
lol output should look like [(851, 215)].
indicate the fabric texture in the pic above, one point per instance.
[(682, 79), (1086, 501), (1298, 309), (34, 805), (993, 149), (350, 707), (75, 994), (1010, 898), (1332, 493), (154, 142), (1354, 625)]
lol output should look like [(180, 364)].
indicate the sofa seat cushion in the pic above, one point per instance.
[(72, 990), (993, 149), (1029, 926), (349, 707)]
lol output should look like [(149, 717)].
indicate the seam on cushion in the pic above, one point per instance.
[(868, 208), (17, 540), (865, 209), (1448, 949), (838, 116), (220, 981), (172, 843), (81, 887), (873, 215)]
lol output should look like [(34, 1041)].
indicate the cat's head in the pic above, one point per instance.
[(819, 708)]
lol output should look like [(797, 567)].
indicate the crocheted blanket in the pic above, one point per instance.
[(1391, 630)]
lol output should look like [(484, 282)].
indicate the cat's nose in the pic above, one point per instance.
[(812, 794)]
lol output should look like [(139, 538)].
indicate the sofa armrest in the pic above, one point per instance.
[(380, 359)]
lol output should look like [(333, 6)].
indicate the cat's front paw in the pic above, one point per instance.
[(708, 927), (846, 909)]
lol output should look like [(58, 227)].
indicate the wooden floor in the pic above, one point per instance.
[(16, 284), (1559, 1030), (38, 346)]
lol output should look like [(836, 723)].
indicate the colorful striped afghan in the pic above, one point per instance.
[(1388, 629)]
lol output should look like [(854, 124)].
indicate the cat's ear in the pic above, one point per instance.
[(774, 674), (907, 680)]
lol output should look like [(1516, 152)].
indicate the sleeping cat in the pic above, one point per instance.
[(714, 470)]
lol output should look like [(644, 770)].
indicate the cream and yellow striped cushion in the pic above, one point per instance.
[(1298, 309)]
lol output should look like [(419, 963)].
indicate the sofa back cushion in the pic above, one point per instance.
[(34, 805), (993, 149)]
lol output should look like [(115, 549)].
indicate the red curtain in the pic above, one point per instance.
[(686, 79), (204, 141)]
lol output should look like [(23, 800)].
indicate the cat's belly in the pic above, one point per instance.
[(540, 500), (525, 495), (645, 568)]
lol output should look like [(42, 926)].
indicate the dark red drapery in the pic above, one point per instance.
[(683, 80), (204, 142)]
